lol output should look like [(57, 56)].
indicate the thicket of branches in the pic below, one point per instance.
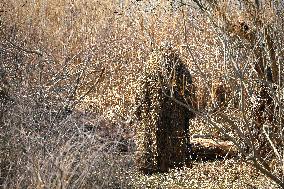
[(68, 66), (249, 99), (48, 137)]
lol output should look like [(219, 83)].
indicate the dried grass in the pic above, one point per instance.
[(61, 49)]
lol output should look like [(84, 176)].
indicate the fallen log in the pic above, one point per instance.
[(209, 149)]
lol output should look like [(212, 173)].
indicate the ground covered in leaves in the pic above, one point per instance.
[(218, 174)]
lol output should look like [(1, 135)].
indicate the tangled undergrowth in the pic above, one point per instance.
[(68, 84)]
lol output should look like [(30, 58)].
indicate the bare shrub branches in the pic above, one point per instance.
[(255, 72)]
